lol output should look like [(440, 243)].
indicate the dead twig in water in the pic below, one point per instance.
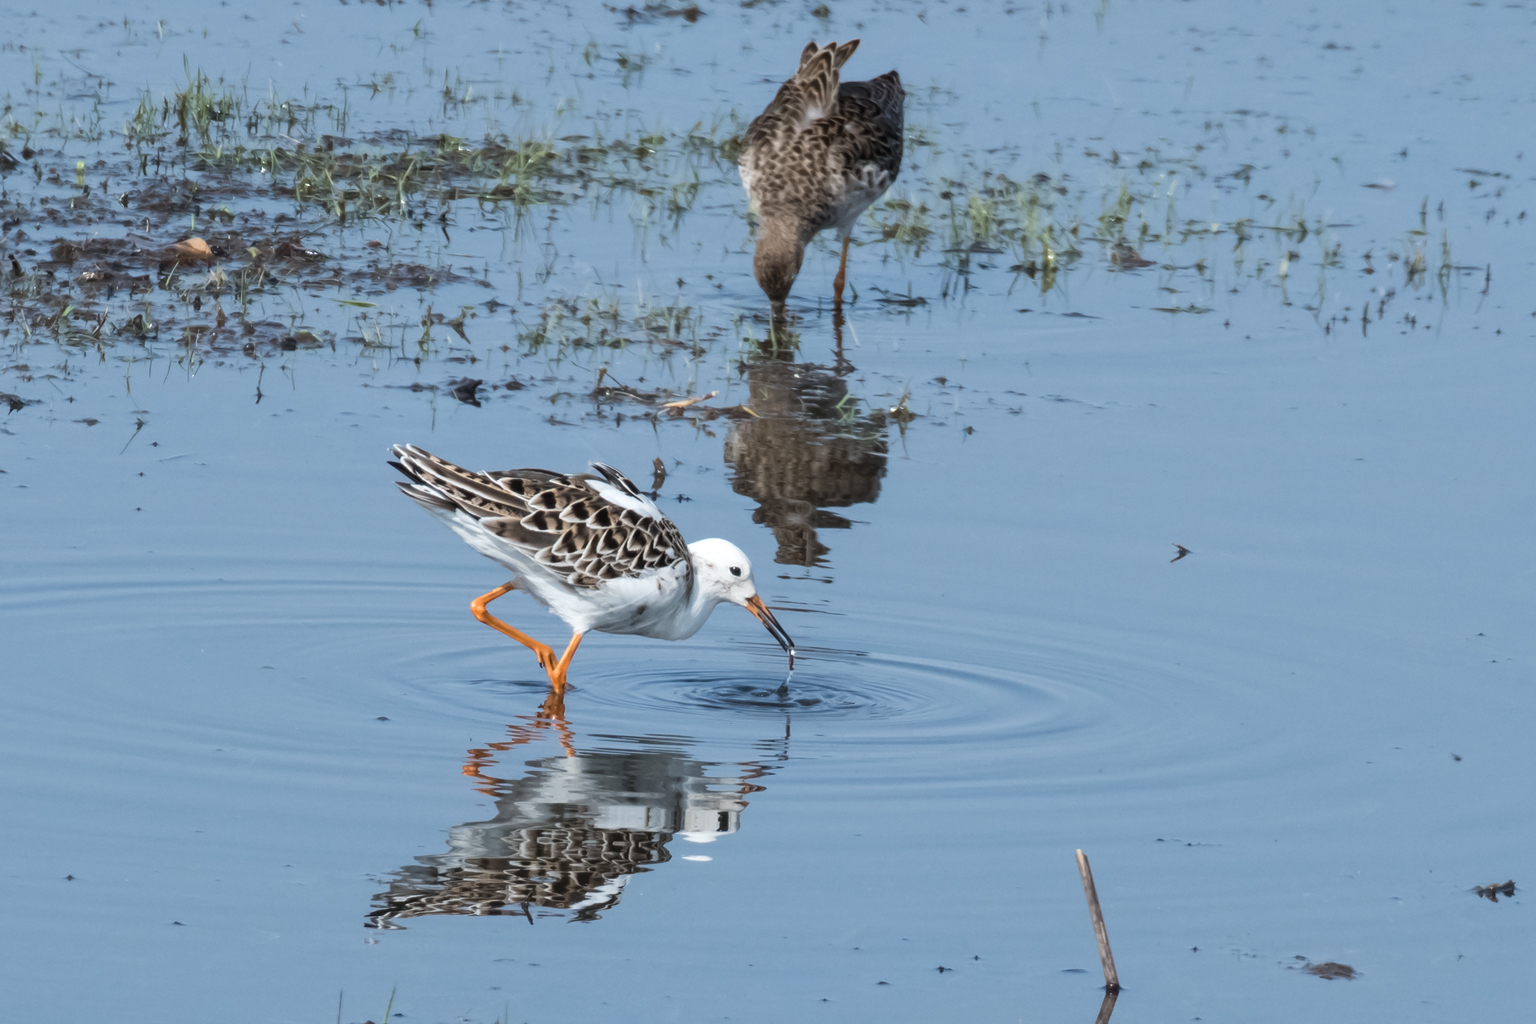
[(684, 403), (1106, 958), (1107, 1007)]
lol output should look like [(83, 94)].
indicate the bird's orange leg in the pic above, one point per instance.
[(546, 653), (842, 275), (557, 675)]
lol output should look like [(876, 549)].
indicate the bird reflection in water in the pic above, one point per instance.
[(810, 447), (570, 832)]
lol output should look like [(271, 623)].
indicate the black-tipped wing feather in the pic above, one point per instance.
[(584, 528)]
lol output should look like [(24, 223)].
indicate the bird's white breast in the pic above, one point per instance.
[(655, 604)]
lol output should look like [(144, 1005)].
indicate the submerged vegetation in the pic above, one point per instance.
[(211, 225)]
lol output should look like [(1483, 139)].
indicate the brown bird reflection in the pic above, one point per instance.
[(812, 447), (570, 831)]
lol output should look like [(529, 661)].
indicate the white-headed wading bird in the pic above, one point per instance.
[(591, 547), (816, 158)]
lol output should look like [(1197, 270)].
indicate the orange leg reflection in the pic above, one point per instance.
[(551, 715), (841, 364), (842, 275), (553, 708)]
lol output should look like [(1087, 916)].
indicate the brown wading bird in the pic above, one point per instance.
[(816, 158), (805, 452), (590, 547)]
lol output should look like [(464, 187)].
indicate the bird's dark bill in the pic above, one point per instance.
[(756, 606)]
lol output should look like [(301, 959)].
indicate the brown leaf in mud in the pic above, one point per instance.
[(193, 249)]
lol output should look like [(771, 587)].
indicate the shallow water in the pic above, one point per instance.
[(260, 755)]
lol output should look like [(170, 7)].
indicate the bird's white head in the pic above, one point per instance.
[(723, 572)]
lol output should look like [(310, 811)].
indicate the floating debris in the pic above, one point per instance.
[(653, 11), (1126, 258), (464, 390), (1493, 892), (1330, 970), (684, 403), (903, 300)]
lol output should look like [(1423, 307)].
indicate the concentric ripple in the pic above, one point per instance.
[(1031, 711), (946, 700), (883, 691)]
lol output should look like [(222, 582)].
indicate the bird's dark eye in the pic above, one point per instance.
[(735, 570)]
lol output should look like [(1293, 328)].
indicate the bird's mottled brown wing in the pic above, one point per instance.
[(874, 108), (583, 527), (821, 157), (869, 143)]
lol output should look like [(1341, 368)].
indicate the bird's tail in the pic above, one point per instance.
[(411, 461), (818, 78)]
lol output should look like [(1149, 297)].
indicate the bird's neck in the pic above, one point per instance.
[(782, 233), (697, 612), (780, 249)]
